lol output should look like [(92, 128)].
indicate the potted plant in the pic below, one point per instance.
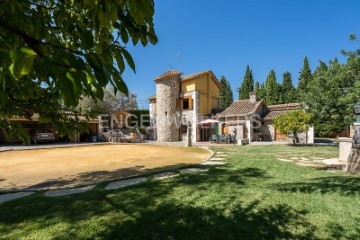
[(132, 133), (144, 132)]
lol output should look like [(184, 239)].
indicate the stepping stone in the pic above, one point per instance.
[(305, 161), (221, 155), (216, 159), (69, 191), (284, 160), (13, 196), (309, 164), (165, 175), (304, 158), (294, 158), (213, 163), (125, 183), (193, 170), (333, 161)]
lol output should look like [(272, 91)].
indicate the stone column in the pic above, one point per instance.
[(188, 141), (353, 161)]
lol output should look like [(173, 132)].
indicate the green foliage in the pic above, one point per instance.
[(55, 52), (111, 102), (139, 118), (247, 85), (272, 89), (332, 94), (293, 122), (288, 91), (305, 77), (226, 94)]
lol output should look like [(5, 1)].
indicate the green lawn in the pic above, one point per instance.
[(254, 197)]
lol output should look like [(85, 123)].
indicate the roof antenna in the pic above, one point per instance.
[(178, 56)]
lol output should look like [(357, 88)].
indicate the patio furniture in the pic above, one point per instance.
[(230, 138), (222, 139), (213, 138)]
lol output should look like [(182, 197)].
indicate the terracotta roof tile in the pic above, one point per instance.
[(153, 97), (286, 105), (170, 73), (241, 108), (186, 77), (234, 123), (273, 114)]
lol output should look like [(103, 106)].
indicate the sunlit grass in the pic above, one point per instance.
[(255, 196)]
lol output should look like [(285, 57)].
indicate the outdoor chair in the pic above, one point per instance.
[(230, 138), (222, 139), (213, 138)]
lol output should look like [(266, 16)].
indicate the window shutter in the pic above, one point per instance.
[(178, 103), (190, 103)]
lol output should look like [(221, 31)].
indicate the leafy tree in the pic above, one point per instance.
[(226, 94), (305, 76), (321, 68), (331, 96), (288, 91), (111, 102), (247, 85), (53, 52), (272, 88), (293, 123)]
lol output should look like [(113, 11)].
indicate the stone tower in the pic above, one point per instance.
[(167, 93)]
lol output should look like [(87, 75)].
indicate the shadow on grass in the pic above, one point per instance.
[(143, 218), (343, 185), (336, 231), (169, 221), (88, 178)]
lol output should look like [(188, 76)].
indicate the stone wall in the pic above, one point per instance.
[(267, 131), (239, 131), (167, 92)]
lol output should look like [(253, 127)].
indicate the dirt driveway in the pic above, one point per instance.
[(67, 167)]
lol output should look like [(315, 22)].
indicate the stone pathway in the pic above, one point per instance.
[(13, 196), (70, 191), (193, 170), (217, 160), (165, 175), (284, 160), (213, 163), (316, 162), (125, 183)]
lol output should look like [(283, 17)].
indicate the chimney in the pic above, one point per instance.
[(253, 98)]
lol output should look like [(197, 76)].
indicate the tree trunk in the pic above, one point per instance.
[(295, 138)]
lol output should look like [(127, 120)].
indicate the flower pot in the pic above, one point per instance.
[(133, 135)]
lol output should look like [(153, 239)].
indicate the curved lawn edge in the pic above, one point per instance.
[(147, 173)]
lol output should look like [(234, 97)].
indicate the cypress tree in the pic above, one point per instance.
[(271, 88), (257, 89), (262, 91), (226, 94), (287, 89), (305, 76), (247, 85)]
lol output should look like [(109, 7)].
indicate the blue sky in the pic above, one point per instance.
[(225, 36)]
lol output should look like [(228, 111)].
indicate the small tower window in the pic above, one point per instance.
[(186, 105), (165, 113), (174, 85)]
